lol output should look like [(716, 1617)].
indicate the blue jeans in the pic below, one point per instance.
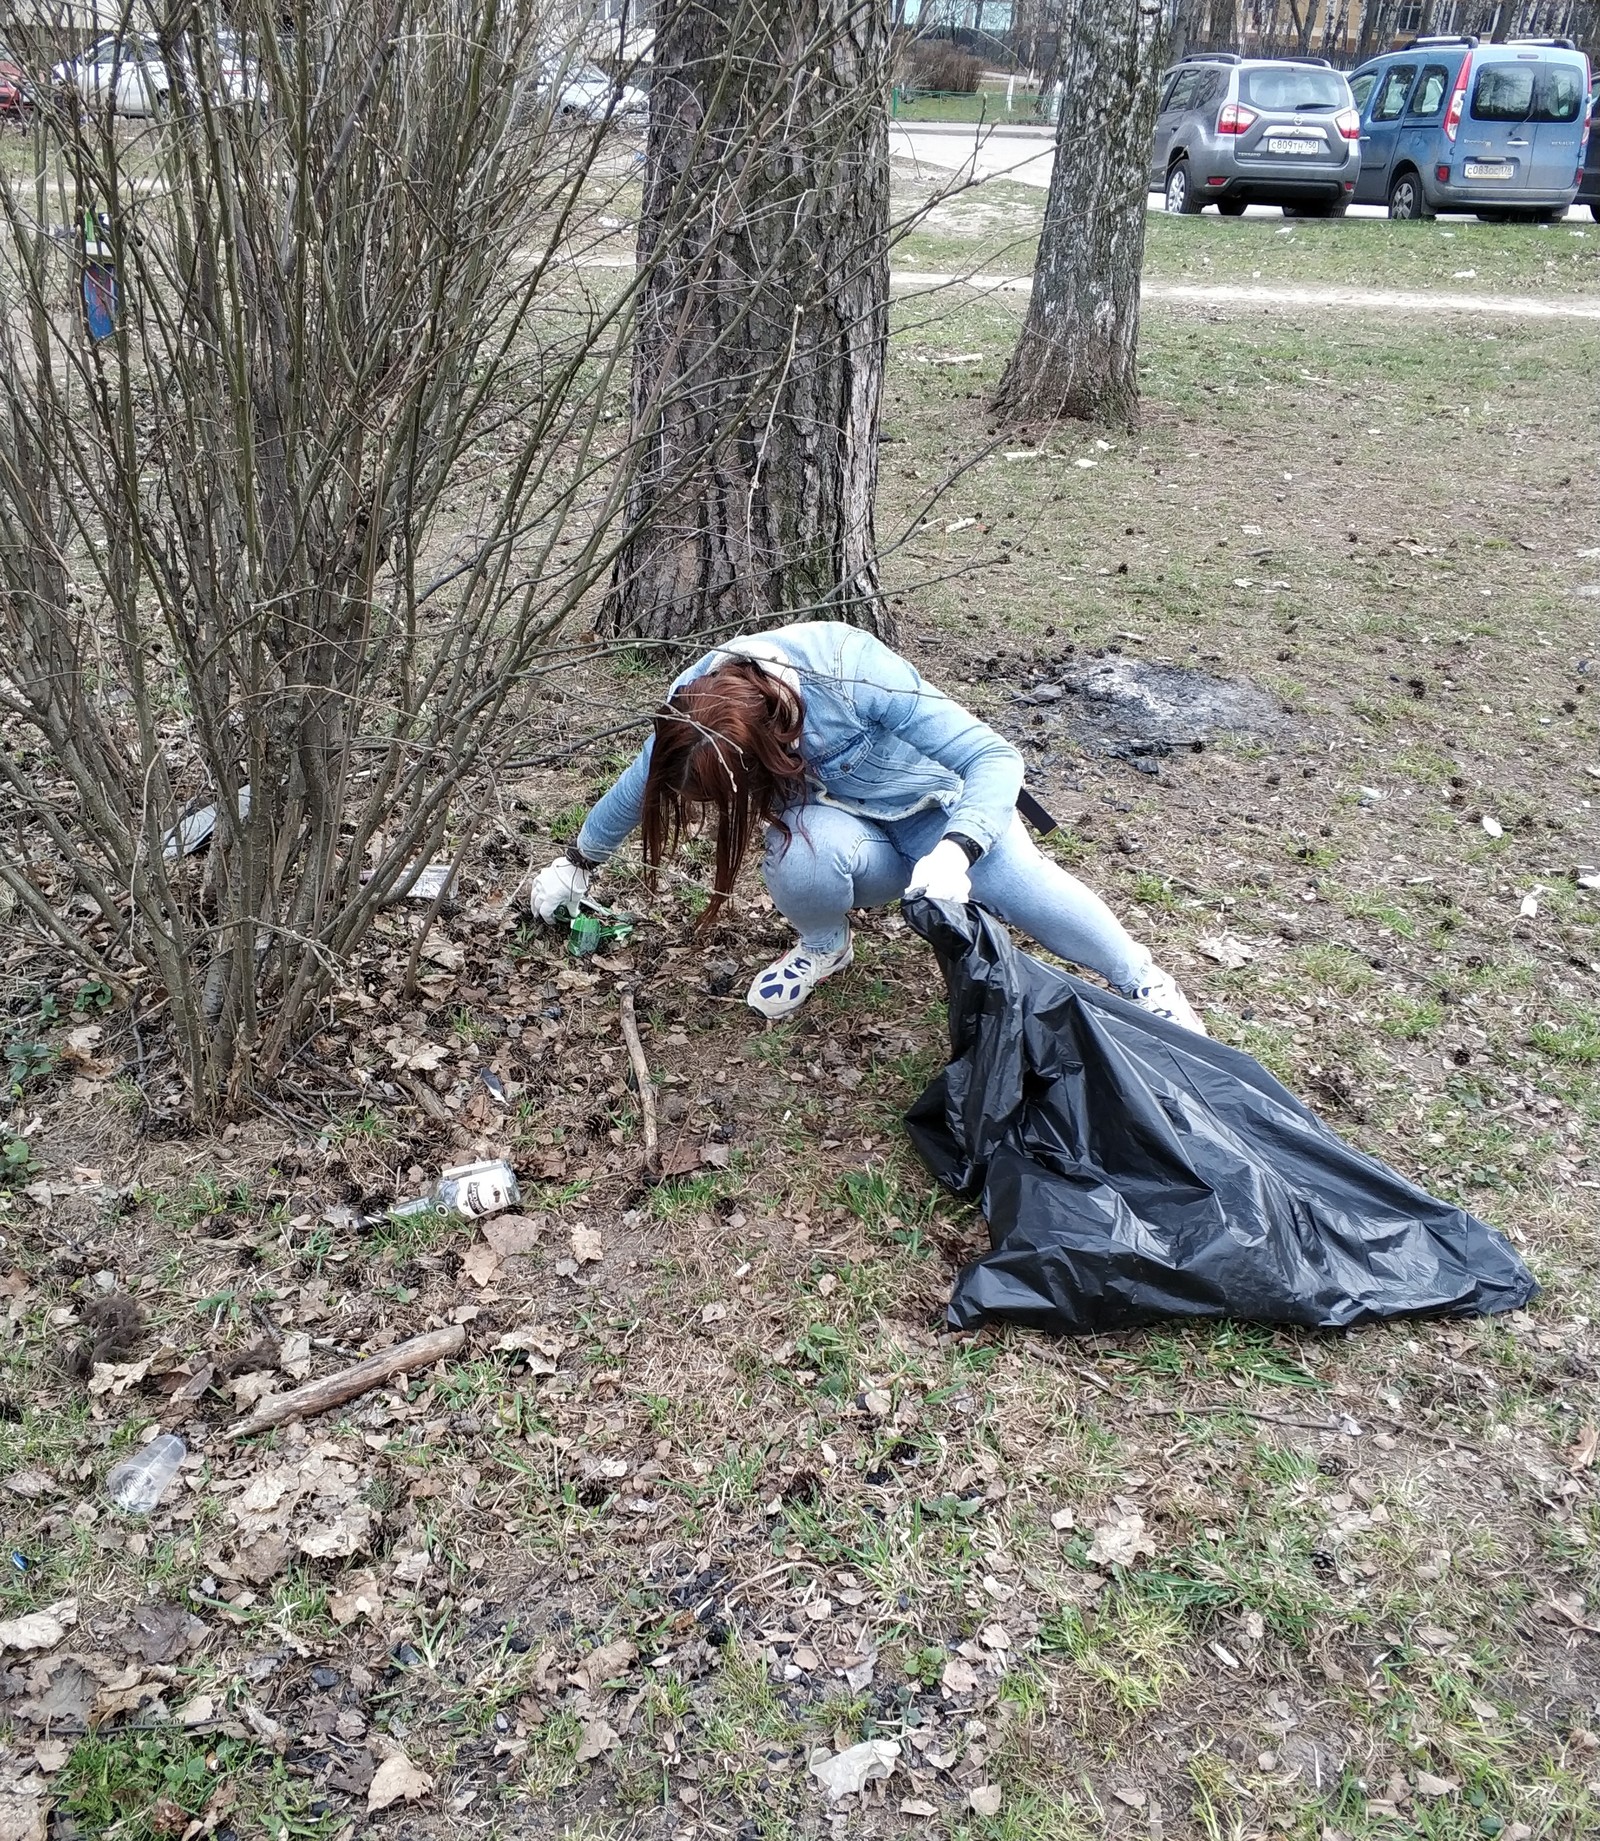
[(837, 861)]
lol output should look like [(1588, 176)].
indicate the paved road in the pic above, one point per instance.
[(1023, 155), (1363, 300)]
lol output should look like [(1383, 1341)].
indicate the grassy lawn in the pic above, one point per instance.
[(994, 228), (982, 105), (717, 1489)]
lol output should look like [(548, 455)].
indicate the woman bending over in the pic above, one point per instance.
[(866, 784)]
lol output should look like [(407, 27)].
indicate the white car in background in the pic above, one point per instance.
[(126, 75), (129, 76), (585, 90)]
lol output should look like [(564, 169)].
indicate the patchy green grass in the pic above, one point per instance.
[(739, 1443)]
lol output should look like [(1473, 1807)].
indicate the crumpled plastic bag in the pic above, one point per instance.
[(1131, 1171)]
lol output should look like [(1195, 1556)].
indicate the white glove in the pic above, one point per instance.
[(942, 875), (562, 885)]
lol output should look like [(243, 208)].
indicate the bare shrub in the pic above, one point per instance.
[(301, 531)]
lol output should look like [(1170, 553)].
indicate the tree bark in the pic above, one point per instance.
[(1076, 355), (763, 323)]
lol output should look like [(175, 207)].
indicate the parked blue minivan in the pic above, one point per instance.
[(1452, 124)]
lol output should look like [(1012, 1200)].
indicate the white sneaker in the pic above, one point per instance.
[(1161, 996), (783, 987)]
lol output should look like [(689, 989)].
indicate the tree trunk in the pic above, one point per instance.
[(1076, 355), (762, 326)]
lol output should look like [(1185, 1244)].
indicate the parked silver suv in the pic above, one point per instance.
[(1235, 131)]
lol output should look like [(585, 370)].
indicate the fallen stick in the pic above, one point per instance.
[(350, 1383), (641, 1073)]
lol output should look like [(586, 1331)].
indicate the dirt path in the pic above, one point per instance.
[(1362, 300)]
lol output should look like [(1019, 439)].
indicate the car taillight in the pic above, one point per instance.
[(1458, 98), (1234, 118), (1348, 122)]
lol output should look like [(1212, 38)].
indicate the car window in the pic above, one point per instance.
[(1361, 86), (1391, 102), (1431, 86), (1293, 87), (1212, 90), (1503, 92), (1183, 90), (1558, 94)]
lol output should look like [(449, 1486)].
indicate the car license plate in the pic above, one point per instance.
[(1296, 147), (1487, 169)]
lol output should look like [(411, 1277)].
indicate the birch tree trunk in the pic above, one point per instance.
[(1076, 355), (763, 323)]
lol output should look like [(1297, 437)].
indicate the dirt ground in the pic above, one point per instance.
[(709, 1495)]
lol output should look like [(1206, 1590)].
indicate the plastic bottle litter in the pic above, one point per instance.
[(139, 1482), (594, 926), (469, 1189)]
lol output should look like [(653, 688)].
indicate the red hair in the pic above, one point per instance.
[(727, 744)]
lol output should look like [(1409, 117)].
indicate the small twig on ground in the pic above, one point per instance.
[(350, 1383), (1311, 1425), (641, 1073), (424, 1095)]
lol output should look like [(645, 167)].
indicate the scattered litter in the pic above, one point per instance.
[(428, 884), (1464, 274), (187, 836), (959, 524), (1529, 906), (468, 1189), (1063, 1518), (985, 1799), (1587, 878), (139, 1482), (1370, 795), (1492, 826), (1084, 461), (848, 1773), (595, 925), (1026, 453), (1226, 950)]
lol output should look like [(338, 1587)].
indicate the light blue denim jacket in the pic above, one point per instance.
[(878, 740)]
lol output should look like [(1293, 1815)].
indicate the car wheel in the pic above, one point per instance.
[(1231, 207), (1182, 200), (1405, 197)]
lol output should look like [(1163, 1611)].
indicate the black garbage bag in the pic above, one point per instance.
[(1132, 1171)]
